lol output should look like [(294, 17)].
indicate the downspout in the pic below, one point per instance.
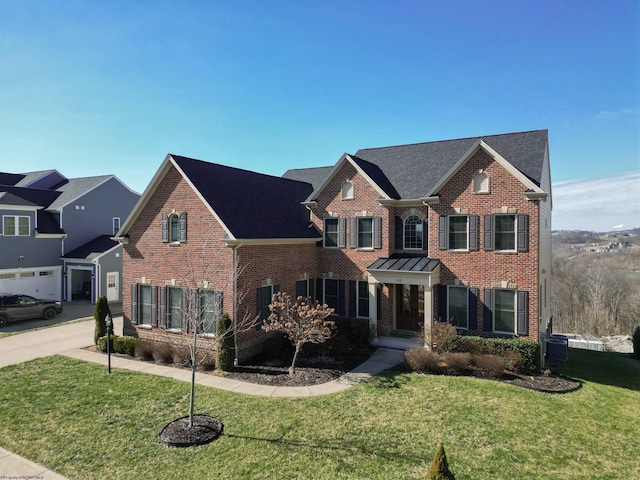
[(236, 361)]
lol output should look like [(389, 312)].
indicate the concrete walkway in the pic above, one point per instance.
[(70, 340)]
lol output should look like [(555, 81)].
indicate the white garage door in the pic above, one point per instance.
[(41, 283)]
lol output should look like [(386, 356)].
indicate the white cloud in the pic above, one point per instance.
[(617, 113), (597, 205)]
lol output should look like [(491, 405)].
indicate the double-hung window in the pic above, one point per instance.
[(365, 232), (264, 299), (506, 311), (458, 314), (363, 299), (176, 307), (331, 293), (146, 303), (210, 310), (16, 226), (458, 232), (174, 228), (331, 232), (506, 233), (304, 289)]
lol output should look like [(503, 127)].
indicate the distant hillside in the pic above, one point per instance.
[(574, 237)]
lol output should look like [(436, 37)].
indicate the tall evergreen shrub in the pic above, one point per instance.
[(636, 342), (225, 350), (439, 469), (99, 315)]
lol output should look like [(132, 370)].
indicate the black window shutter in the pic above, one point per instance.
[(342, 227), (134, 303), (165, 228), (399, 233), (473, 309), (425, 234), (488, 233), (163, 307), (442, 233), (353, 232), (154, 306), (341, 310), (183, 227), (487, 326), (442, 303), (523, 233), (377, 232), (353, 297), (320, 292), (523, 312), (473, 232)]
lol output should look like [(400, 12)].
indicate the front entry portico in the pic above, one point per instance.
[(412, 279)]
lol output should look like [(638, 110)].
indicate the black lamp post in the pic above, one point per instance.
[(109, 324)]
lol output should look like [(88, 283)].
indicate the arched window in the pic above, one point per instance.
[(413, 232), (174, 228), (347, 190), (481, 183)]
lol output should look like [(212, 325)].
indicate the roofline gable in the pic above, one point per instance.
[(481, 144), (344, 159), (160, 174)]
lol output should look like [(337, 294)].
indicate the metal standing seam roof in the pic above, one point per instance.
[(405, 264)]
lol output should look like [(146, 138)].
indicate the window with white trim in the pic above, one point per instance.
[(331, 232), (176, 305), (116, 225), (458, 232), (145, 305), (413, 233), (16, 226), (363, 299), (265, 297), (347, 190), (458, 313), (211, 310), (365, 232), (504, 311), (505, 232)]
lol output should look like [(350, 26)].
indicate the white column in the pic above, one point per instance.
[(373, 309), (428, 314)]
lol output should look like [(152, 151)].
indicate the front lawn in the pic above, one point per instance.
[(75, 419)]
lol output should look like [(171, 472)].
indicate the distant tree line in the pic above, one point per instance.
[(597, 293)]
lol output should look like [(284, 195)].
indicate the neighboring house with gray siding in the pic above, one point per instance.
[(54, 234)]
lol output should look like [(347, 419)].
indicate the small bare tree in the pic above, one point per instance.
[(300, 321)]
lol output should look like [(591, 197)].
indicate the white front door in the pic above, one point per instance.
[(112, 286)]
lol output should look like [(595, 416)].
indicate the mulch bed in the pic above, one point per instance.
[(205, 430)]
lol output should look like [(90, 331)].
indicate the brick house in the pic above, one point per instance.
[(456, 230)]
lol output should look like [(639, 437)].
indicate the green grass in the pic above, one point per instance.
[(75, 419)]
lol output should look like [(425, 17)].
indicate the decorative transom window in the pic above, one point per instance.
[(481, 183), (413, 232), (15, 226), (347, 190)]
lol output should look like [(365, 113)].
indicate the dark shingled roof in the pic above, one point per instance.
[(414, 169), (36, 196), (314, 176), (98, 245), (252, 205), (7, 198), (10, 178), (405, 263), (47, 223)]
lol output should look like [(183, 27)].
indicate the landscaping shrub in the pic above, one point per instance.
[(144, 350), (439, 469), (522, 353), (100, 314), (422, 360), (490, 365), (636, 342), (457, 362), (102, 343), (125, 344), (443, 337), (351, 336), (225, 350), (162, 352)]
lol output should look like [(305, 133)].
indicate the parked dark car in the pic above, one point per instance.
[(22, 307)]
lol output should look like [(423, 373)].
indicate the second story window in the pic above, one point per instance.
[(116, 224), (334, 232), (365, 232), (15, 226), (413, 232), (506, 233), (458, 232), (174, 228)]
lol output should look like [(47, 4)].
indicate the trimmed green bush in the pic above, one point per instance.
[(99, 315), (636, 342), (125, 345), (527, 360), (225, 350), (439, 469)]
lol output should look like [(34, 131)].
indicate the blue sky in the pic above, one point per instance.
[(91, 88)]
